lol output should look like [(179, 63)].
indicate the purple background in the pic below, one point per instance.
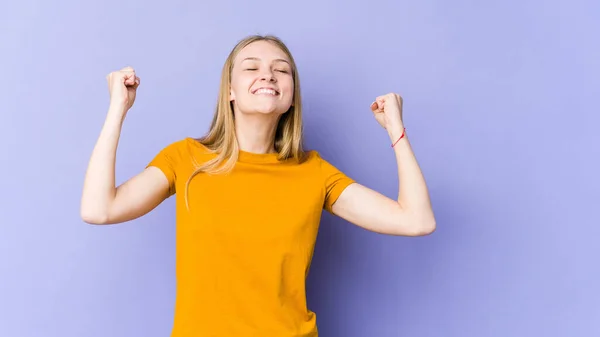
[(501, 104)]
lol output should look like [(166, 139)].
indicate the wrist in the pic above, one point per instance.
[(116, 115), (397, 136), (117, 110), (397, 132), (118, 105)]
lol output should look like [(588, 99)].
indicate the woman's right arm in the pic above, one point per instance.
[(102, 202)]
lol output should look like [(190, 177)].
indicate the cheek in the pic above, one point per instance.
[(288, 88), (237, 88)]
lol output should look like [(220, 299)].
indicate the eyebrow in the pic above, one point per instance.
[(257, 59)]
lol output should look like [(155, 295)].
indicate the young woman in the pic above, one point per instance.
[(249, 198)]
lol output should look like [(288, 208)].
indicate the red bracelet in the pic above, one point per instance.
[(402, 136)]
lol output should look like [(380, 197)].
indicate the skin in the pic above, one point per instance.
[(259, 65), (411, 213)]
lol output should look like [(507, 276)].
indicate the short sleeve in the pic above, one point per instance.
[(335, 183), (167, 160)]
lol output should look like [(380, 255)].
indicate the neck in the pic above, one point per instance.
[(256, 132)]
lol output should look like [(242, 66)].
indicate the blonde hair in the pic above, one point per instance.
[(221, 137)]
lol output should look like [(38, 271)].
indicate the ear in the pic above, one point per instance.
[(231, 95)]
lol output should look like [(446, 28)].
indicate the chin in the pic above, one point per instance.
[(263, 107), (269, 111), (265, 110)]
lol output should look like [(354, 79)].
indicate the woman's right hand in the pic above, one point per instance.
[(122, 86), (102, 202)]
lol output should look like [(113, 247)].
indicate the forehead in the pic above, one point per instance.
[(263, 50)]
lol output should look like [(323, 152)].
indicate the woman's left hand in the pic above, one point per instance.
[(387, 110)]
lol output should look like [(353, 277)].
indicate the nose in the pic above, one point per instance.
[(267, 75)]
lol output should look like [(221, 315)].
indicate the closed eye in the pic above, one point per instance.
[(279, 70)]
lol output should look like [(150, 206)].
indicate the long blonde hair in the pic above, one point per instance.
[(221, 137)]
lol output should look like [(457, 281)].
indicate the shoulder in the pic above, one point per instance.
[(182, 151), (312, 158), (316, 159), (333, 179), (185, 146)]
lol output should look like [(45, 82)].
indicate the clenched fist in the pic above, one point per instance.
[(388, 112), (122, 86)]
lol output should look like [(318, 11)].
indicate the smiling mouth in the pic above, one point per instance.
[(265, 91)]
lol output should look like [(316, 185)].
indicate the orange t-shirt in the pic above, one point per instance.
[(245, 246)]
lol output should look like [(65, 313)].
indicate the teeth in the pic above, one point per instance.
[(265, 91)]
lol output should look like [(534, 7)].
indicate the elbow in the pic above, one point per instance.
[(423, 226), (420, 230), (93, 218)]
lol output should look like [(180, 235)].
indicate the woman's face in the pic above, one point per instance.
[(261, 80)]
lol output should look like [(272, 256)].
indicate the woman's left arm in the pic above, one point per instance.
[(411, 214)]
